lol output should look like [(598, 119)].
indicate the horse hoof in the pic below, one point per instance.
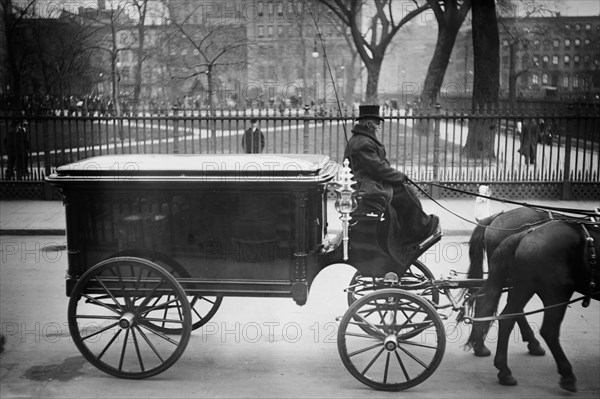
[(507, 380), (568, 384), (481, 351), (536, 349)]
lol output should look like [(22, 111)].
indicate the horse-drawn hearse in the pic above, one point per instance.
[(156, 241)]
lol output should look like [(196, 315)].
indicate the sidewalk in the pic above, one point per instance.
[(22, 217)]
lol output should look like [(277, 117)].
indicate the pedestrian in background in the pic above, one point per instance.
[(17, 148), (253, 140), (530, 137)]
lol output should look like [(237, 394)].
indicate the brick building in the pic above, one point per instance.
[(547, 57)]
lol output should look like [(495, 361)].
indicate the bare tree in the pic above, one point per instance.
[(108, 25), (520, 35), (141, 7), (486, 83), (373, 42), (61, 48), (13, 15), (450, 15), (213, 48)]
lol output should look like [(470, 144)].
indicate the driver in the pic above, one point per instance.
[(379, 185)]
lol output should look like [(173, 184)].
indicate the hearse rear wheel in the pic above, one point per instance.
[(114, 311)]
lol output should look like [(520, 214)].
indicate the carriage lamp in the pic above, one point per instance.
[(345, 202)]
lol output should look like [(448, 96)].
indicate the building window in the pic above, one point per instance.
[(565, 82), (535, 79), (184, 51), (586, 59), (259, 9), (575, 82), (576, 59), (280, 9), (556, 43), (555, 59), (546, 59), (587, 42), (260, 30), (536, 42), (567, 26), (536, 60), (588, 26), (577, 42), (567, 42), (270, 30), (567, 59), (577, 27), (505, 43), (280, 30), (545, 78)]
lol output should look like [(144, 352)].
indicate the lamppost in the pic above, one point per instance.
[(315, 55), (116, 89), (100, 83), (343, 69)]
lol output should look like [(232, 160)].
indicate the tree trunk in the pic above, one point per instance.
[(435, 74), (439, 64), (137, 87), (512, 76), (486, 83), (373, 71)]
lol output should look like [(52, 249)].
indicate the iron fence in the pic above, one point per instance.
[(427, 144)]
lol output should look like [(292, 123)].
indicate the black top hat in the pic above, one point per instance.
[(368, 112)]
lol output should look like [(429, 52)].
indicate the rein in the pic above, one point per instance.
[(581, 220), (469, 320)]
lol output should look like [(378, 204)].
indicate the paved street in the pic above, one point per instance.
[(257, 347)]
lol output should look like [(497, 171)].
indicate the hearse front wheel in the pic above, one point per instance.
[(391, 340), (114, 311)]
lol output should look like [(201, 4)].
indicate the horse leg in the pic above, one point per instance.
[(550, 331), (515, 304), (479, 331), (533, 345), (484, 307)]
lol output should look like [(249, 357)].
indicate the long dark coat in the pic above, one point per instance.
[(530, 137), (382, 188), (253, 141)]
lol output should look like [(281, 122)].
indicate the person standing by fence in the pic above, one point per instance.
[(530, 137), (253, 140), (17, 148)]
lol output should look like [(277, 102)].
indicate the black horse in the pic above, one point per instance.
[(484, 240), (552, 261)]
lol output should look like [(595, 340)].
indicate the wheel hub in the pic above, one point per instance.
[(126, 321), (390, 343)]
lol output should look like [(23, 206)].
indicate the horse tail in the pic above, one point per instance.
[(477, 247), (487, 297)]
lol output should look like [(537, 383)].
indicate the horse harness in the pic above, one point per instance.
[(589, 250)]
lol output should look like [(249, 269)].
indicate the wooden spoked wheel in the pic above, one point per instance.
[(391, 340), (416, 273), (203, 307), (114, 311)]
